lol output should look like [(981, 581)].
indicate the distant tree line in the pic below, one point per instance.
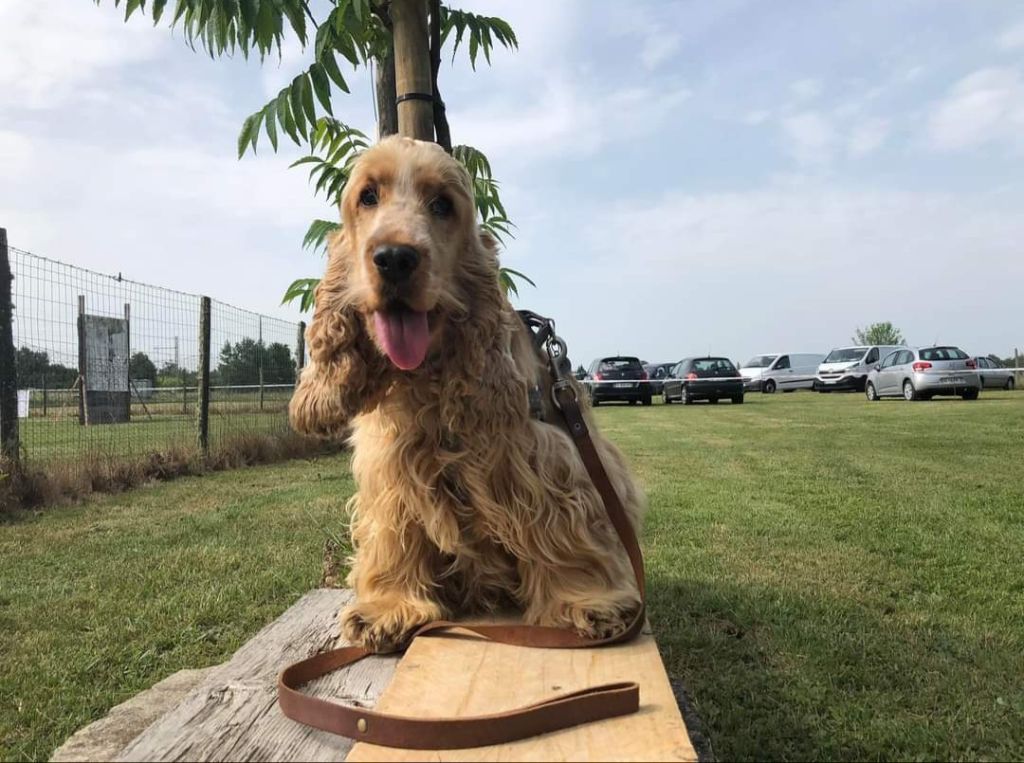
[(239, 364)]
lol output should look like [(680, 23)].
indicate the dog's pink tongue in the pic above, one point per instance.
[(405, 336)]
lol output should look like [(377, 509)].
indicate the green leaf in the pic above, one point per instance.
[(304, 290), (245, 135), (271, 124), (331, 67), (319, 230), (130, 7), (158, 10), (307, 98), (295, 98)]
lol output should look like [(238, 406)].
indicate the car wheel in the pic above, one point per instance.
[(687, 400), (632, 402), (736, 399), (869, 392), (665, 398), (770, 387), (595, 402), (646, 400), (970, 394), (909, 393), (713, 400), (1009, 383)]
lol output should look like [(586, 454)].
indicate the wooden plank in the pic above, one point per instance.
[(233, 713), (463, 676), (104, 739)]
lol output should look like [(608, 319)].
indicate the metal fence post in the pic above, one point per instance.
[(203, 432), (300, 349), (259, 360), (8, 373)]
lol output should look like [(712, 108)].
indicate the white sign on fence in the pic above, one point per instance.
[(24, 396)]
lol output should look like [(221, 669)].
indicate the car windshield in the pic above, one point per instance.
[(845, 355), (713, 367), (760, 361), (943, 353)]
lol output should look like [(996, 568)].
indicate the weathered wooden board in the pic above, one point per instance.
[(233, 713), (460, 677), (104, 739)]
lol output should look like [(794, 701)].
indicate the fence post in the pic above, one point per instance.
[(9, 449), (300, 349), (259, 360), (83, 403), (1016, 364), (203, 433)]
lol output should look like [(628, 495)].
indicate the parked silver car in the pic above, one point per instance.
[(993, 374), (919, 374)]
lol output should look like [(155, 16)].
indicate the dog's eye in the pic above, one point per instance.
[(368, 196), (441, 206)]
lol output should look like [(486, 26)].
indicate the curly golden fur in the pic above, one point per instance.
[(465, 502)]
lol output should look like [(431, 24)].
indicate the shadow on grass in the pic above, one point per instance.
[(796, 676)]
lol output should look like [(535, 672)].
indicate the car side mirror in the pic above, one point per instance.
[(878, 366)]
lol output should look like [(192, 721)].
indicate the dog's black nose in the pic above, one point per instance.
[(396, 263)]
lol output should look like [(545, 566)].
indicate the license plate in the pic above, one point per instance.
[(622, 385), (952, 380)]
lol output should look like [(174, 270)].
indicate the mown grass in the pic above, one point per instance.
[(829, 578)]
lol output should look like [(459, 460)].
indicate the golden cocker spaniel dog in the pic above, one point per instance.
[(465, 501)]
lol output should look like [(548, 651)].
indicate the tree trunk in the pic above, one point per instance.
[(387, 109), (412, 69)]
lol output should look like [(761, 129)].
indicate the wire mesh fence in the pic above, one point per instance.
[(108, 369)]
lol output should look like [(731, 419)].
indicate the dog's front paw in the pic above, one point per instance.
[(385, 629), (599, 624)]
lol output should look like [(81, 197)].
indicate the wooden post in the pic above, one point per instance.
[(203, 421), (9, 444), (300, 349), (412, 69), (1019, 375)]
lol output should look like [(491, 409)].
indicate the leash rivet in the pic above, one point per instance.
[(361, 725)]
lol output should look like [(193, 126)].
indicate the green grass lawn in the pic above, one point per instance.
[(46, 440), (829, 578)]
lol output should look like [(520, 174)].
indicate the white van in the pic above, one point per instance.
[(847, 368), (784, 371)]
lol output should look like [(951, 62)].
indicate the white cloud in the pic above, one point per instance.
[(48, 55), (658, 48), (806, 89), (867, 136), (983, 107), (811, 137), (1012, 38), (756, 117), (567, 119)]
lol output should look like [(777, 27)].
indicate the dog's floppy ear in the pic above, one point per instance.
[(483, 389), (346, 374)]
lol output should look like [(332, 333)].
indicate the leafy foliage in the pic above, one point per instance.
[(141, 367), (35, 371), (878, 333), (355, 31), (482, 32), (241, 363)]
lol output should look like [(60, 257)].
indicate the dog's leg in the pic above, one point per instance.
[(573, 569), (393, 576)]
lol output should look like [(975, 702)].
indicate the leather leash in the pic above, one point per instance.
[(584, 706)]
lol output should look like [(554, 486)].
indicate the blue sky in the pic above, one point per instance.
[(686, 177)]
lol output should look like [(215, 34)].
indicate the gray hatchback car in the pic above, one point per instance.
[(919, 374)]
